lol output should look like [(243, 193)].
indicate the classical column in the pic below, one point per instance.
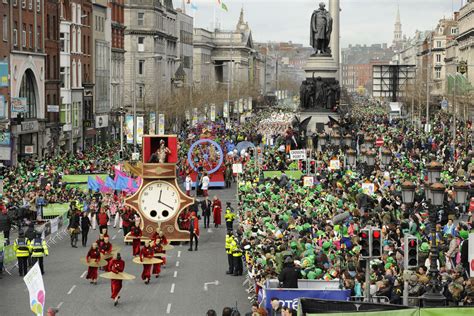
[(334, 10)]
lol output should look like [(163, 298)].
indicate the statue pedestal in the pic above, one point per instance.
[(321, 66), (319, 119)]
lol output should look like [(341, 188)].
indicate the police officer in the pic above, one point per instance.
[(237, 256), (229, 217), (229, 238), (22, 251), (38, 249)]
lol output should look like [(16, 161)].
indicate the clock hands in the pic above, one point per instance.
[(166, 205), (159, 199)]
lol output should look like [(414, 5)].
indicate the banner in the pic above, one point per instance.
[(237, 168), (226, 110), (152, 124), (289, 298), (335, 164), (34, 282), (241, 105), (298, 154), (3, 107), (19, 105), (195, 117), (129, 128), (161, 124), (213, 112), (308, 182), (368, 188), (3, 74), (140, 126), (54, 225)]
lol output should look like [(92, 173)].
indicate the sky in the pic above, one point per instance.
[(362, 21)]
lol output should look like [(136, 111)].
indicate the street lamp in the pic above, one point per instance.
[(369, 142), (348, 140), (433, 296), (408, 192), (322, 139), (335, 139), (351, 157), (461, 190), (371, 158), (363, 155), (434, 171), (386, 156)]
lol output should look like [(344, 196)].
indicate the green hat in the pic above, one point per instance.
[(388, 265), (312, 275), (464, 234), (326, 245), (318, 272), (425, 247)]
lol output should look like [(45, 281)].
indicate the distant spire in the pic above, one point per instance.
[(398, 15), (397, 32), (241, 18)]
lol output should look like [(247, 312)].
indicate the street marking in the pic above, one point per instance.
[(175, 274), (59, 305), (72, 289), (216, 282), (83, 274), (168, 308), (179, 253), (177, 263), (114, 236), (172, 288), (209, 230)]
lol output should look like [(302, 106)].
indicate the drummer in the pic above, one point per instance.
[(147, 253), (94, 255), (116, 265), (106, 250)]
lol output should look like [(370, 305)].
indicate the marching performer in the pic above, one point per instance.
[(216, 211), (146, 253), (157, 243), (106, 250), (93, 256), (116, 276), (136, 234)]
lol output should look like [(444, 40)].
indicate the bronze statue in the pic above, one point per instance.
[(321, 28)]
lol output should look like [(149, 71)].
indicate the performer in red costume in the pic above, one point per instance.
[(148, 253), (157, 244), (93, 254), (216, 211), (116, 265), (136, 234), (106, 249)]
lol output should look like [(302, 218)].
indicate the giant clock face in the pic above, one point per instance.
[(159, 201)]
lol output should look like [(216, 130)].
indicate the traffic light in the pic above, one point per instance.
[(303, 166), (312, 167), (376, 243), (411, 252), (364, 243)]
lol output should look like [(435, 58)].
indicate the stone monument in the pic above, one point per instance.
[(320, 92)]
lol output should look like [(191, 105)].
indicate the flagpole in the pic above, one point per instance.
[(214, 21)]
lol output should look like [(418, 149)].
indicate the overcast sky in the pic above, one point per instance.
[(362, 21)]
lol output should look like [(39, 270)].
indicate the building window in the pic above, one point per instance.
[(141, 18), (31, 37), (62, 41), (79, 74), (141, 44), (140, 92), (74, 69), (454, 30), (62, 76), (23, 36), (73, 11), (65, 115), (30, 5), (15, 35), (438, 44), (79, 40), (38, 5), (438, 58), (438, 73), (47, 26), (79, 17), (5, 28), (141, 67), (15, 3), (28, 91), (73, 48), (38, 40), (23, 4)]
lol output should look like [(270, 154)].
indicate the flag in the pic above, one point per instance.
[(224, 7), (109, 183), (100, 181), (121, 183), (92, 184)]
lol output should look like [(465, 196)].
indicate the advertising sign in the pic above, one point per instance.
[(19, 105), (226, 110), (237, 168), (161, 124), (101, 121), (308, 182), (35, 285), (5, 138), (53, 108), (152, 124), (3, 74), (140, 129), (471, 253), (298, 154), (289, 298), (29, 149), (335, 164), (129, 128), (213, 112), (3, 107)]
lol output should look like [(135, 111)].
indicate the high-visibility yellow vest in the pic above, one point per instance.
[(20, 246), (229, 216), (236, 251), (38, 248), (228, 242)]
